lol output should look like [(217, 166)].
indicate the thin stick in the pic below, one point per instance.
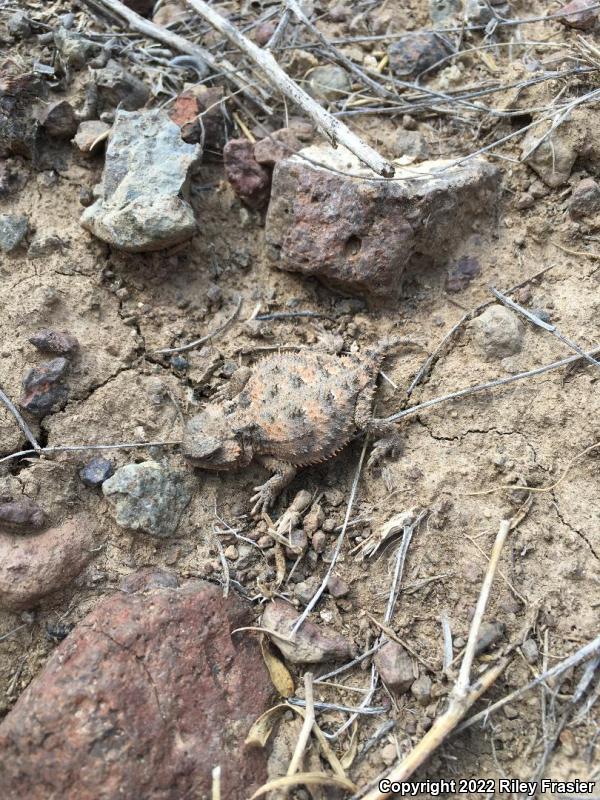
[(216, 783), (481, 387), (20, 421), (463, 680), (350, 664), (338, 545), (447, 632), (585, 652), (309, 720), (399, 566), (197, 342), (179, 43), (544, 325), (75, 448), (464, 694), (263, 59), (224, 564)]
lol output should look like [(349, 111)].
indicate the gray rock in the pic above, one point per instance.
[(362, 235), (421, 690), (337, 587), (395, 667), (96, 471), (415, 53), (530, 651), (305, 590), (117, 87), (146, 171), (18, 25), (329, 83), (442, 10), (489, 634), (148, 497), (13, 230), (498, 332), (585, 199), (411, 143)]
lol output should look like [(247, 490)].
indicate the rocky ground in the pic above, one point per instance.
[(146, 205)]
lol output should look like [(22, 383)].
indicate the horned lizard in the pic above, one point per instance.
[(290, 410)]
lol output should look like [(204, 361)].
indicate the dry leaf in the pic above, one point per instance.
[(280, 675), (262, 728)]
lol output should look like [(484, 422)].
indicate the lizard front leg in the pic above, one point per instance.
[(233, 387), (389, 442), (266, 494)]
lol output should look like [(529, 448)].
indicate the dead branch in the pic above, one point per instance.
[(275, 75)]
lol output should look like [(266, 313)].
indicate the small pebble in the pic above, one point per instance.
[(61, 343), (489, 634), (13, 230), (579, 14), (585, 199), (329, 82), (530, 651), (96, 471), (319, 542), (43, 390), (337, 587), (389, 754), (231, 552), (421, 690), (498, 332)]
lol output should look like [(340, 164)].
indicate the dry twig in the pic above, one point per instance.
[(464, 693), (263, 59)]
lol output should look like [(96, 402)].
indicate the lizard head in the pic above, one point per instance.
[(210, 442)]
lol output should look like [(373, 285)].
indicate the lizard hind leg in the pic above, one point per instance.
[(265, 495), (388, 442), (233, 387)]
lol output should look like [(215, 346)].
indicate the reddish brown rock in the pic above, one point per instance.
[(249, 179), (61, 343), (32, 567), (585, 199), (361, 234), (580, 14), (43, 387), (146, 695), (312, 643), (280, 144), (21, 515), (199, 114), (18, 124), (395, 667), (263, 33)]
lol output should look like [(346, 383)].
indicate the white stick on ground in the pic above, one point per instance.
[(263, 59), (464, 693)]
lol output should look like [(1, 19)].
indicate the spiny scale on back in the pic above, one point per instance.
[(290, 410), (302, 406)]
